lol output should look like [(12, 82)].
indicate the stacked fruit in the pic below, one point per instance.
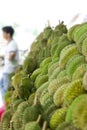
[(51, 89)]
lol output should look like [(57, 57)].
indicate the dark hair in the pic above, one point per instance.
[(8, 29)]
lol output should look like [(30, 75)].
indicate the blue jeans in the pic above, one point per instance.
[(4, 83)]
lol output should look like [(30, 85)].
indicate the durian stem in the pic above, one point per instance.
[(11, 125), (35, 100), (44, 125), (39, 118)]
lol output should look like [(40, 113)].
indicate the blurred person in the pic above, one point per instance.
[(10, 60)]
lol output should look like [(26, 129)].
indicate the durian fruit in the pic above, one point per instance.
[(63, 41), (31, 98), (79, 31), (58, 97), (62, 74), (53, 61), (52, 68), (79, 72), (16, 103), (41, 89), (79, 115), (72, 91), (73, 64), (16, 79), (34, 125), (35, 74), (57, 83), (49, 111), (5, 120), (45, 61), (54, 48), (66, 54), (57, 118), (17, 120), (61, 27), (84, 47), (41, 79), (21, 107), (31, 113), (80, 41), (71, 32), (46, 100), (7, 98), (54, 74), (44, 70), (72, 106), (30, 64), (66, 126), (47, 32), (24, 88), (85, 81)]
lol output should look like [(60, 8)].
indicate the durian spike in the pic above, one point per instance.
[(35, 100), (39, 118), (44, 125), (11, 125)]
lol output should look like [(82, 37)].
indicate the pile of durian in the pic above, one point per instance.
[(49, 92)]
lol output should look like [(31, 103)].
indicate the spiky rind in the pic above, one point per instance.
[(57, 118), (72, 91), (56, 83), (66, 54)]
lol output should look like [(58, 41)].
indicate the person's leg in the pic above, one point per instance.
[(5, 83)]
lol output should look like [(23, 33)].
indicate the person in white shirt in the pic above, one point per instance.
[(11, 58)]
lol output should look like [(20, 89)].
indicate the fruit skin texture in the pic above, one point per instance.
[(84, 47), (72, 106), (41, 79), (58, 97), (79, 31), (66, 54), (66, 126), (35, 74), (73, 64), (57, 83), (74, 90), (57, 118), (71, 32), (80, 71), (80, 42), (85, 81), (32, 126), (80, 110)]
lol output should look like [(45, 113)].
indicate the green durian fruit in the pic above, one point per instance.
[(32, 126), (84, 47), (45, 61), (57, 118), (79, 31), (16, 103), (73, 64), (66, 54), (79, 72), (57, 83), (58, 97), (72, 106), (54, 74), (41, 79), (85, 81), (74, 90), (80, 41), (35, 74), (61, 74), (52, 68), (41, 89), (71, 32)]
